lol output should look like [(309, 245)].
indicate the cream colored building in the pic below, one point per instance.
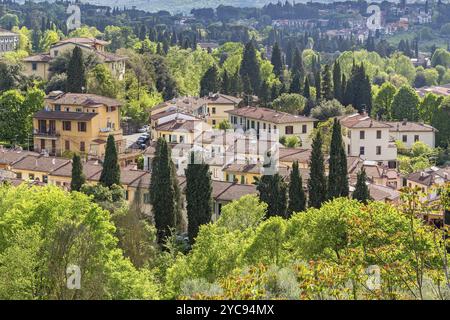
[(409, 132), (369, 139), (74, 122), (38, 65), (267, 121)]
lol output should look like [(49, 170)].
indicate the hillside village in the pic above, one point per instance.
[(275, 152)]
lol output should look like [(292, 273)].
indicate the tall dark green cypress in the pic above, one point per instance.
[(317, 183), (317, 83), (210, 82), (297, 198), (306, 89), (337, 176), (198, 195), (327, 86), (76, 74), (78, 178), (163, 195), (276, 60), (250, 67), (337, 81), (295, 86), (226, 85), (273, 191), (297, 64), (111, 170), (361, 192)]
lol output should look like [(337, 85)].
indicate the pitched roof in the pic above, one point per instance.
[(219, 98), (64, 115), (9, 156), (40, 163), (187, 104), (406, 126), (269, 115), (294, 154), (178, 124), (84, 99), (228, 191), (41, 57), (7, 33), (429, 177), (90, 169), (382, 193), (443, 90), (84, 40), (361, 121)]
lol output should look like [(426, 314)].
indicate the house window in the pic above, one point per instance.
[(264, 126), (147, 198), (253, 124), (416, 138), (304, 128), (45, 179), (53, 146), (31, 176), (214, 110), (82, 146), (67, 125), (378, 134), (181, 139), (378, 150), (405, 138), (274, 127), (289, 130), (57, 107), (348, 149), (34, 66), (82, 126), (79, 110), (19, 175), (361, 151), (349, 134), (67, 145), (42, 144), (362, 135), (214, 122)]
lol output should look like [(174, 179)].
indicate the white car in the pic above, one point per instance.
[(144, 128)]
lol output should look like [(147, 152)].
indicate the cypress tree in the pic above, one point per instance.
[(337, 176), (78, 178), (198, 195), (317, 83), (317, 183), (306, 89), (210, 81), (361, 192), (327, 86), (337, 81), (295, 86), (264, 93), (226, 85), (111, 170), (273, 191), (297, 199), (163, 194), (276, 60), (76, 75), (250, 67), (297, 64)]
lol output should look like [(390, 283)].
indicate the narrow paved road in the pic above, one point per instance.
[(131, 138)]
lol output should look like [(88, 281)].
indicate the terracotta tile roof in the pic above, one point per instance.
[(361, 121), (443, 90), (90, 169), (406, 126), (6, 33), (187, 104), (178, 124), (219, 98), (9, 156), (294, 154), (382, 193), (41, 57), (269, 115), (64, 115), (40, 164), (84, 40), (431, 176), (228, 191), (83, 99)]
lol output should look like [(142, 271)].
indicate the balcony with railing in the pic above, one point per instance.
[(51, 134)]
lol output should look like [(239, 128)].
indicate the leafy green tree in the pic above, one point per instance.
[(289, 102), (361, 192), (337, 176), (100, 81), (405, 104), (441, 57), (249, 68), (198, 195), (441, 123), (76, 77), (428, 106), (297, 198), (78, 177), (111, 170), (210, 83), (329, 109), (276, 60), (382, 103), (273, 191), (225, 125), (317, 183), (163, 194)]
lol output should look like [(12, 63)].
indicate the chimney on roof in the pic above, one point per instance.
[(422, 174), (445, 175), (54, 161), (363, 110), (404, 122)]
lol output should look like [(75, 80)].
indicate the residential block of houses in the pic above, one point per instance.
[(8, 40), (409, 132), (39, 64), (369, 139), (268, 120), (77, 123)]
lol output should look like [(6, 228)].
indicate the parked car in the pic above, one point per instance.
[(144, 128)]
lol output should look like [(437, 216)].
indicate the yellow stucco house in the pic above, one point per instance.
[(38, 65), (77, 123)]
